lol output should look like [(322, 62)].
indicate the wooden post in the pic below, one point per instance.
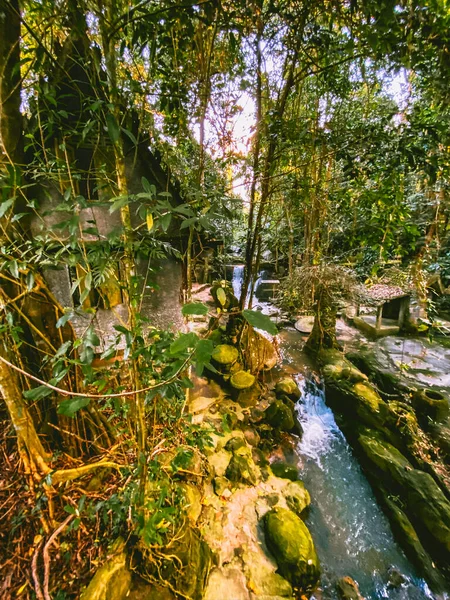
[(379, 317)]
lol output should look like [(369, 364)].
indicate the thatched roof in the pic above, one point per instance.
[(381, 293)]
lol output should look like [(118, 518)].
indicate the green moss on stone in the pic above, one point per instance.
[(224, 354), (280, 416), (292, 546), (288, 387), (242, 380)]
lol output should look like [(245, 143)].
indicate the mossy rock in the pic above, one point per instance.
[(348, 589), (112, 580), (407, 537), (242, 380), (424, 501), (431, 404), (280, 416), (216, 336), (288, 387), (225, 356), (353, 374), (297, 496), (242, 468), (284, 470), (291, 544), (187, 564), (235, 443), (333, 372)]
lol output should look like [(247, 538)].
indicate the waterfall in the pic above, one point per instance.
[(237, 279)]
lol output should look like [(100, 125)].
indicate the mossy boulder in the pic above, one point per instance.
[(288, 387), (297, 496), (280, 416), (291, 544), (411, 544), (369, 406), (242, 380), (348, 589), (242, 468), (425, 503), (284, 470), (431, 404), (187, 564), (113, 579), (225, 356)]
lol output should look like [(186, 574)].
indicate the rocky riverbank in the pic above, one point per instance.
[(390, 427)]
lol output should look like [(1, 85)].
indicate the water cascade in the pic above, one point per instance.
[(351, 533)]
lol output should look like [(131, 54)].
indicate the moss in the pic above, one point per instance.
[(297, 496), (365, 391), (280, 416), (242, 468), (291, 544), (225, 354), (242, 380), (285, 471), (288, 387), (113, 579)]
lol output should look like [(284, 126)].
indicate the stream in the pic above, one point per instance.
[(351, 533)]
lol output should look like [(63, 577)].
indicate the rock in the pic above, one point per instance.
[(242, 380), (193, 500), (288, 387), (353, 374), (432, 404), (252, 437), (242, 468), (440, 433), (225, 356), (235, 443), (113, 579), (304, 324), (142, 590), (221, 486), (423, 499), (285, 471), (396, 579), (262, 580), (227, 582), (219, 462), (332, 372), (290, 542), (297, 496), (348, 589), (280, 416), (189, 571), (409, 540)]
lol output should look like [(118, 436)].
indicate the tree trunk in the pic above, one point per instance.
[(323, 334)]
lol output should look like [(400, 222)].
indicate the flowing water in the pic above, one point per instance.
[(351, 533)]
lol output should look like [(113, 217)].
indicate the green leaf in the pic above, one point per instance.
[(130, 135), (182, 343), (203, 351), (63, 320), (188, 222), (221, 296), (37, 393), (164, 221), (5, 206), (113, 128), (260, 321), (118, 203), (14, 269), (71, 406), (194, 308)]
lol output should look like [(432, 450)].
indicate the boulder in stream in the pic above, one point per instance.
[(287, 387), (291, 544), (280, 416), (348, 589)]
